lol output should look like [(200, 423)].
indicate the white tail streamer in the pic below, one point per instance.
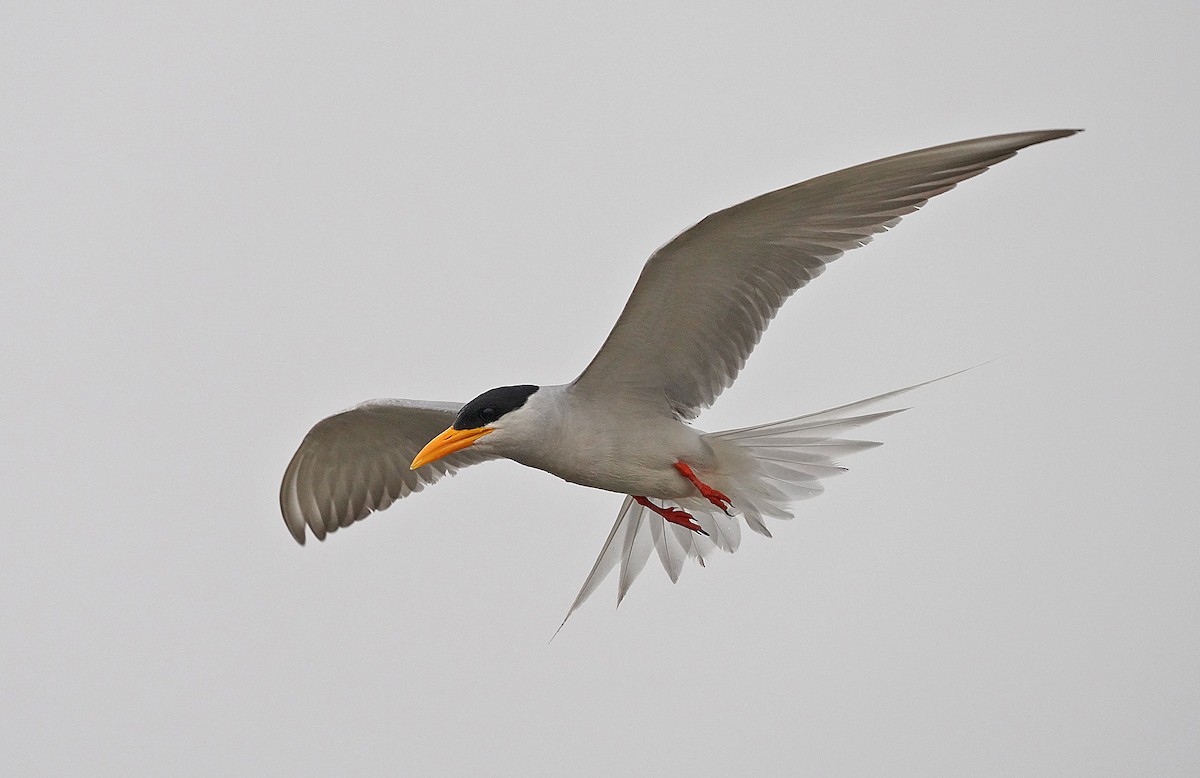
[(763, 469)]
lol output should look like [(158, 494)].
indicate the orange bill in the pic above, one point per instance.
[(447, 443)]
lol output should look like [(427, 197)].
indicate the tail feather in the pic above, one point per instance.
[(823, 428), (762, 468), (671, 551), (636, 550), (818, 448)]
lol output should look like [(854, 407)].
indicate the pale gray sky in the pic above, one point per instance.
[(219, 223)]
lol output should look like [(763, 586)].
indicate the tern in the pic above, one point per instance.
[(698, 309)]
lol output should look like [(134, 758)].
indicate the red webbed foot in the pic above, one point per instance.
[(707, 492), (673, 515)]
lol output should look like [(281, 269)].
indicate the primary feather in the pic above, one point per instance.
[(356, 462), (704, 299)]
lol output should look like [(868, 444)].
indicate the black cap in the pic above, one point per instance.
[(491, 405)]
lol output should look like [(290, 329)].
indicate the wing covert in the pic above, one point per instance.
[(704, 299)]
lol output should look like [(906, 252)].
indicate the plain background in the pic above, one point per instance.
[(220, 223)]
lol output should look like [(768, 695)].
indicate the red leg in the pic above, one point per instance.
[(707, 492), (673, 515)]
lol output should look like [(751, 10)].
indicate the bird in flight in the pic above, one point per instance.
[(698, 309)]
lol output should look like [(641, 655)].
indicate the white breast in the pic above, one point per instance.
[(601, 445)]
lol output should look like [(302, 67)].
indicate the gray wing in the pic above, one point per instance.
[(357, 462), (703, 300)]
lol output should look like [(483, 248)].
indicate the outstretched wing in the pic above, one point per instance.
[(704, 299), (357, 462)]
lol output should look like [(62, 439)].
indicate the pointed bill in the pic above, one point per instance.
[(447, 443)]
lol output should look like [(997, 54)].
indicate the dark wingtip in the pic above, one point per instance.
[(297, 533), (1048, 135)]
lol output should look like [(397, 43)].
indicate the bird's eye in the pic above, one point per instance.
[(488, 415)]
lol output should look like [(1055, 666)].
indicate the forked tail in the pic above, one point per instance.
[(763, 469)]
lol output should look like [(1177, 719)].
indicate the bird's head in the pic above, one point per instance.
[(476, 420)]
